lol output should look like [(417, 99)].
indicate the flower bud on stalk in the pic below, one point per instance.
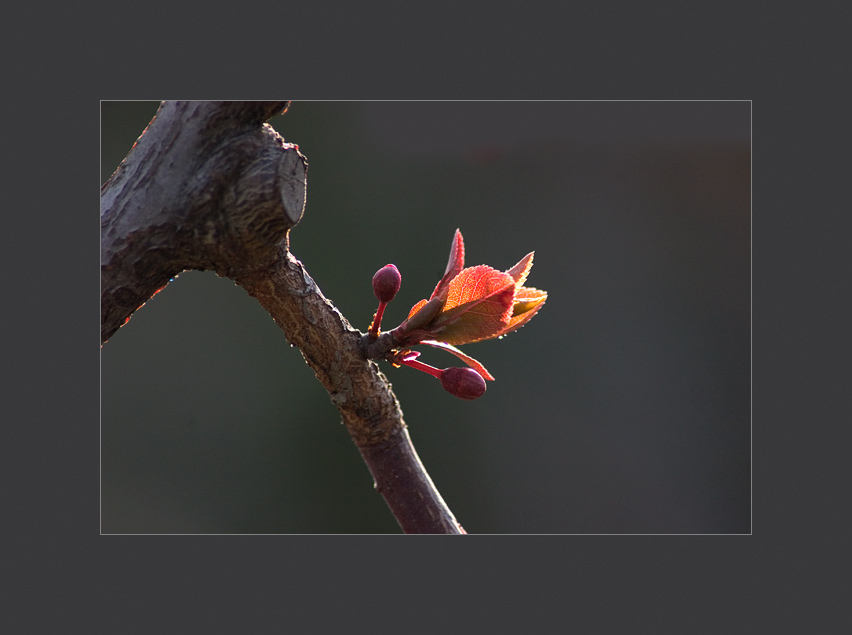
[(386, 283), (464, 383)]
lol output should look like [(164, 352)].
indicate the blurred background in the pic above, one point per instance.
[(622, 407)]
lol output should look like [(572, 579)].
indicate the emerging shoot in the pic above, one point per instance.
[(468, 305)]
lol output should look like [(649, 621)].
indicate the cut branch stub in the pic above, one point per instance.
[(207, 186)]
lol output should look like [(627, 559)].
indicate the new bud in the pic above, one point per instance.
[(386, 283), (465, 383)]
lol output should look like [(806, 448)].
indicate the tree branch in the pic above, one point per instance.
[(206, 186), (210, 186)]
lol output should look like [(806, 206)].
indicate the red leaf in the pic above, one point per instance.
[(454, 265), (417, 307), (467, 359), (527, 303), (479, 305), (521, 270), (420, 316), (456, 262), (470, 305)]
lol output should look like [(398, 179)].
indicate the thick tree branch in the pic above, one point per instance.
[(206, 186), (210, 186)]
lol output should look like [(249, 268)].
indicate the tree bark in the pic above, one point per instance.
[(210, 186), (207, 186)]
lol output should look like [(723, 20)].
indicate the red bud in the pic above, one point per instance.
[(386, 283), (465, 383)]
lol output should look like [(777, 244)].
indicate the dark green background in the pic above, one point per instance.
[(623, 407)]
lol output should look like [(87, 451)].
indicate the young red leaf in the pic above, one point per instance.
[(469, 305), (416, 308), (474, 285), (420, 316), (467, 359), (454, 265), (521, 270), (527, 303), (479, 304)]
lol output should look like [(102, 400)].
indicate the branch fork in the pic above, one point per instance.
[(211, 186)]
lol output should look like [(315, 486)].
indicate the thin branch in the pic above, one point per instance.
[(370, 410), (210, 186)]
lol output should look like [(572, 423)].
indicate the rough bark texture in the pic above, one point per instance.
[(370, 411), (210, 186), (207, 186)]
